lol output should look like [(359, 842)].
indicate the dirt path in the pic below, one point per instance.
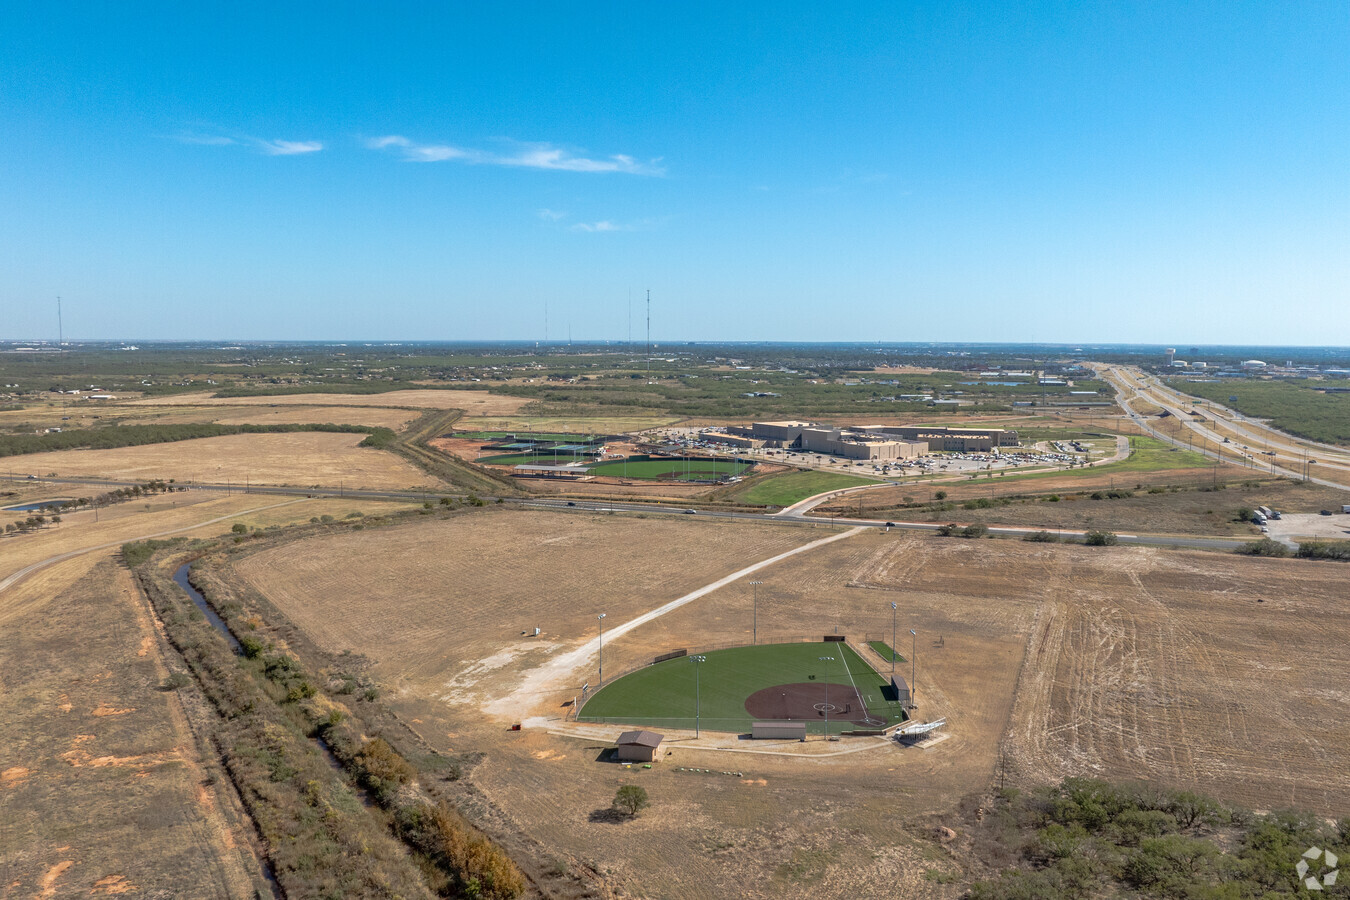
[(23, 573), (539, 681)]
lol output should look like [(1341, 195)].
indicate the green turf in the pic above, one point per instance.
[(787, 489), (884, 651), (535, 459), (690, 469), (662, 695)]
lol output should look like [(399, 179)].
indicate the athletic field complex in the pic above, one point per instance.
[(824, 684)]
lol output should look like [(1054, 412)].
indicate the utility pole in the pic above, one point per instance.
[(60, 327)]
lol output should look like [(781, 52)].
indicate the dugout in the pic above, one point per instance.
[(778, 731), (638, 746)]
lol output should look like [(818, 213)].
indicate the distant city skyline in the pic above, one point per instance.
[(1171, 174)]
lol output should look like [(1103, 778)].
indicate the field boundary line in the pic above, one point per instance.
[(23, 573), (534, 682)]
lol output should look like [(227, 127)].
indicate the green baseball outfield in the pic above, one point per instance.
[(825, 684)]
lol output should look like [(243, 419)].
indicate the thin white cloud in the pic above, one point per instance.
[(524, 156), (267, 147), (204, 140), (608, 225), (289, 148), (552, 215)]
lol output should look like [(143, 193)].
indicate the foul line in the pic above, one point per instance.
[(535, 681)]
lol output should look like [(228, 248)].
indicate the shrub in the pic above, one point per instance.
[(1100, 539), (239, 528), (1325, 550), (940, 495), (948, 530), (382, 769), (1264, 547), (977, 530), (1042, 537), (175, 681), (631, 799)]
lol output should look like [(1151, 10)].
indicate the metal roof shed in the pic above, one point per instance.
[(638, 746)]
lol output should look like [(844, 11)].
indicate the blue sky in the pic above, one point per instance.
[(1167, 171)]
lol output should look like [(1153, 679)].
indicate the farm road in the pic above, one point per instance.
[(542, 679), (23, 573)]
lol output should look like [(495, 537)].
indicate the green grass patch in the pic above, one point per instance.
[(663, 695), (790, 487), (885, 652), (685, 469)]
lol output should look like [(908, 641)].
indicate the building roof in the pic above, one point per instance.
[(641, 738)]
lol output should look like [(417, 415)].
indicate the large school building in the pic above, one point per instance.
[(873, 442)]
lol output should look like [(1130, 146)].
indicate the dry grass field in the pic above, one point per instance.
[(440, 606), (476, 403), (1125, 663), (102, 788), (172, 514), (300, 458)]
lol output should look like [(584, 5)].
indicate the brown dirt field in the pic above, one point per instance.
[(105, 803), (477, 403), (1124, 663), (302, 458), (1165, 666)]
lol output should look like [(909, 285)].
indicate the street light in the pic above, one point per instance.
[(913, 652), (827, 694), (755, 585), (893, 609), (697, 705), (601, 619)]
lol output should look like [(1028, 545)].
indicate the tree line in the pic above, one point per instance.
[(113, 437)]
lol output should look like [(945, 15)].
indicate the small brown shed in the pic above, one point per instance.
[(638, 746)]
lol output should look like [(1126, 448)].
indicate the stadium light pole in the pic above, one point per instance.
[(827, 694), (755, 632), (893, 609), (913, 651), (697, 701), (601, 619)]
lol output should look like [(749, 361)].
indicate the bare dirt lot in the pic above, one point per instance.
[(300, 458), (1126, 663), (101, 788)]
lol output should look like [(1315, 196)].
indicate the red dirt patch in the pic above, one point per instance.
[(808, 702)]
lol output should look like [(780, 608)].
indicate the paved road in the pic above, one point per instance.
[(786, 517), (1132, 385)]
